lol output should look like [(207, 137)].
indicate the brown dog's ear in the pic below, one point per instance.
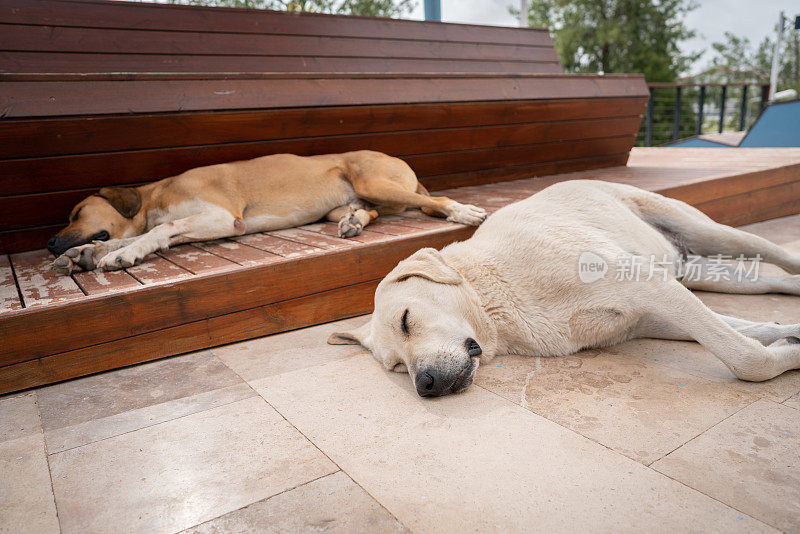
[(126, 200), (426, 263), (360, 336)]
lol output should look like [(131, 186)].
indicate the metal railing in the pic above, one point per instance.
[(678, 110)]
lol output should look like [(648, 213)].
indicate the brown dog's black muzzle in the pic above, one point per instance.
[(59, 244)]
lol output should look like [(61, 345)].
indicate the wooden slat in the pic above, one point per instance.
[(32, 62), (9, 296), (239, 253), (314, 239), (84, 171), (21, 138), (39, 284), (86, 322), (309, 310), (15, 37), (156, 269), (332, 230), (278, 246), (57, 98), (205, 19), (196, 260), (102, 282)]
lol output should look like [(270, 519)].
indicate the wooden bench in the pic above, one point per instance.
[(115, 93), (98, 93)]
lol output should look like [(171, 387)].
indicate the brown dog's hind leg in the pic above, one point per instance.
[(351, 218), (383, 191)]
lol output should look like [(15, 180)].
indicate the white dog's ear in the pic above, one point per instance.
[(425, 263), (360, 336)]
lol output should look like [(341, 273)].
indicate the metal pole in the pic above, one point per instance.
[(433, 10), (523, 13), (701, 106), (648, 128), (722, 108), (764, 91), (773, 75), (676, 125), (743, 109)]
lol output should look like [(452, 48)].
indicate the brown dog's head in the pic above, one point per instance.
[(427, 322), (106, 215)]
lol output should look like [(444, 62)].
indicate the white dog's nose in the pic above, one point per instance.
[(426, 384), (473, 349)]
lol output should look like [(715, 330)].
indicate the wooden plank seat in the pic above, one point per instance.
[(100, 93), (205, 294)]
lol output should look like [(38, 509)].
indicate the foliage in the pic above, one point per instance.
[(736, 60), (370, 8), (618, 35)]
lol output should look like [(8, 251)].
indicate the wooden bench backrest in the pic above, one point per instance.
[(88, 36), (63, 135)]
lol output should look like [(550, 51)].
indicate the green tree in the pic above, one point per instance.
[(735, 60), (371, 8), (618, 35)]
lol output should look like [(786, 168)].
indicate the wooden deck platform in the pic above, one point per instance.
[(199, 295)]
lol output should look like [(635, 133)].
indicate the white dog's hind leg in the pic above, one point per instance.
[(214, 224), (704, 237), (707, 275), (766, 333), (672, 304)]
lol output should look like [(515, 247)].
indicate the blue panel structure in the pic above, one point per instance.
[(778, 126), (696, 142)]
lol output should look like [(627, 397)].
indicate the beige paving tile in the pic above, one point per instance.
[(750, 461), (180, 473), (289, 351), (477, 462), (79, 411), (19, 416), (331, 504), (68, 437), (26, 497), (637, 408), (693, 358)]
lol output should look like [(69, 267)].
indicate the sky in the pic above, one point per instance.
[(750, 18)]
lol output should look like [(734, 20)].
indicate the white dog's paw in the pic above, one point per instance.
[(80, 258), (122, 258), (465, 214)]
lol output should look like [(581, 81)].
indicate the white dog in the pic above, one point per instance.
[(541, 277)]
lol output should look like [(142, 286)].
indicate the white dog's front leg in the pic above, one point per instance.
[(216, 224)]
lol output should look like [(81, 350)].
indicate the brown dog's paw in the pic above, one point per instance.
[(81, 258), (350, 226)]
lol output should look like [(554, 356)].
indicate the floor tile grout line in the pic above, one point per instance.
[(154, 424), (704, 431), (559, 424), (47, 459), (714, 499), (647, 466), (263, 499), (317, 446)]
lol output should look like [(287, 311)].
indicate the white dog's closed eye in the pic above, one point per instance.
[(400, 368)]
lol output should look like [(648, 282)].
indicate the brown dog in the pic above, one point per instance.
[(118, 227)]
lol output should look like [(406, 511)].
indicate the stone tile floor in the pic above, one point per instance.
[(289, 434)]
